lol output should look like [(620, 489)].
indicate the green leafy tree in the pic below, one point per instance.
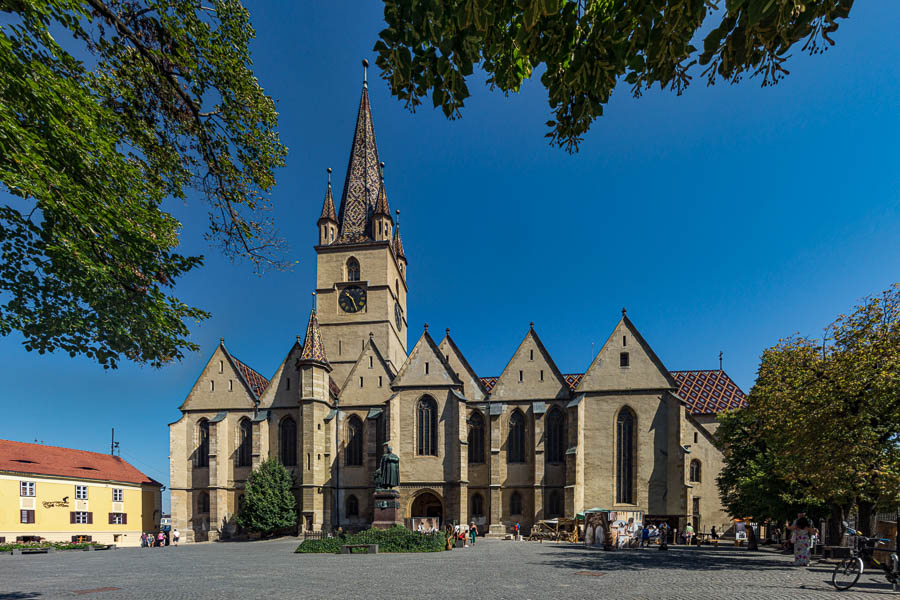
[(110, 108), (827, 413), (585, 47), (269, 502)]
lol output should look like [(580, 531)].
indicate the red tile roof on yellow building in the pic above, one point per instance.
[(38, 459), (704, 392)]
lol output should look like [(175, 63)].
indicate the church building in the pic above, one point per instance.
[(532, 443)]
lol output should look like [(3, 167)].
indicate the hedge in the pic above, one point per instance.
[(395, 539), (36, 545)]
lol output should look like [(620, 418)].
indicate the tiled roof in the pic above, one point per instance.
[(313, 348), (381, 204), (705, 392), (256, 381), (39, 459), (363, 178), (709, 392), (328, 211), (333, 387), (398, 243)]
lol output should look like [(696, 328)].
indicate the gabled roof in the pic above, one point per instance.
[(464, 362), (38, 459), (709, 391), (506, 386), (362, 180), (256, 382), (425, 344), (348, 390)]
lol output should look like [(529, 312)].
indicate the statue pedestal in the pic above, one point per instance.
[(387, 509)]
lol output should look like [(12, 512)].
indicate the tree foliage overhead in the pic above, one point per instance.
[(269, 501), (110, 108), (825, 414), (586, 47)]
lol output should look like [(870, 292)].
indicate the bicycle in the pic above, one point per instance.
[(847, 572)]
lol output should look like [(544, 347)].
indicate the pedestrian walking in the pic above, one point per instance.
[(663, 536), (473, 532), (175, 536), (802, 532), (712, 533), (688, 533), (143, 540), (161, 539), (645, 537)]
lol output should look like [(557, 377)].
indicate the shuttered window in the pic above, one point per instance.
[(26, 516)]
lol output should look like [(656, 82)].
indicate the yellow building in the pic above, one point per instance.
[(60, 494)]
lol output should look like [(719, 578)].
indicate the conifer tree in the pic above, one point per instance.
[(269, 501)]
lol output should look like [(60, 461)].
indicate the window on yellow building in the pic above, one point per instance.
[(118, 519), (26, 488), (117, 494), (81, 517), (81, 492), (26, 516)]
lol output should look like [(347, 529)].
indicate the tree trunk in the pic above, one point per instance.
[(864, 523), (835, 525)]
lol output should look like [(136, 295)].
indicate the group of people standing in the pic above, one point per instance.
[(464, 533), (158, 540)]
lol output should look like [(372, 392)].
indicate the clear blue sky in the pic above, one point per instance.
[(723, 219)]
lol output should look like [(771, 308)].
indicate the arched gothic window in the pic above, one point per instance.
[(554, 504), (477, 507), (625, 457), (351, 506), (426, 413), (695, 471), (203, 503), (515, 504), (556, 436), (515, 452), (352, 269), (203, 446), (354, 452), (287, 435), (245, 446), (476, 438)]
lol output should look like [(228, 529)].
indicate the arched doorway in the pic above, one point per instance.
[(427, 504)]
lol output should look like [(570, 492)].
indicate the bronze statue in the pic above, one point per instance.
[(387, 475)]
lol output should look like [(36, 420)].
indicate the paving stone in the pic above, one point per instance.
[(492, 569)]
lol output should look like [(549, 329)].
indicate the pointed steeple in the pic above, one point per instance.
[(313, 348), (381, 204), (363, 179), (328, 211), (398, 243)]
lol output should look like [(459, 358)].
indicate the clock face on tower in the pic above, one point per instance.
[(352, 299), (398, 316)]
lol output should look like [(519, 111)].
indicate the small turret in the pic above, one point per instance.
[(382, 223), (328, 224), (398, 247)]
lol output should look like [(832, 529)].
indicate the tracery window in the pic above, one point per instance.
[(245, 446), (477, 507), (476, 438), (352, 269), (625, 456), (351, 506), (556, 436), (287, 435), (516, 445), (695, 471), (354, 451), (203, 446), (426, 413), (515, 504), (554, 504)]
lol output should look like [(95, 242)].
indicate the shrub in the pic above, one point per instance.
[(269, 502), (395, 539)]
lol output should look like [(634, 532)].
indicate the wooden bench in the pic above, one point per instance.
[(370, 548)]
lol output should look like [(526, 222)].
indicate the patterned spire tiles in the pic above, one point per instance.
[(362, 181), (328, 211), (313, 348), (398, 243), (381, 205)]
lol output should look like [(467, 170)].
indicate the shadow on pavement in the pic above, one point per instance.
[(18, 595)]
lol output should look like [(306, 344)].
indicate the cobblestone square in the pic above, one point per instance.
[(492, 569)]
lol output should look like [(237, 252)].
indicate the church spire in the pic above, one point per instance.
[(328, 221), (363, 179), (398, 243), (313, 348), (382, 223)]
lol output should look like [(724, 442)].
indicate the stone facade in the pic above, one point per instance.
[(531, 444)]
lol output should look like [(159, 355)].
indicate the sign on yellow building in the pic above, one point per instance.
[(60, 494)]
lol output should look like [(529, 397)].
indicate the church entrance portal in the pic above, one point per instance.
[(427, 505)]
